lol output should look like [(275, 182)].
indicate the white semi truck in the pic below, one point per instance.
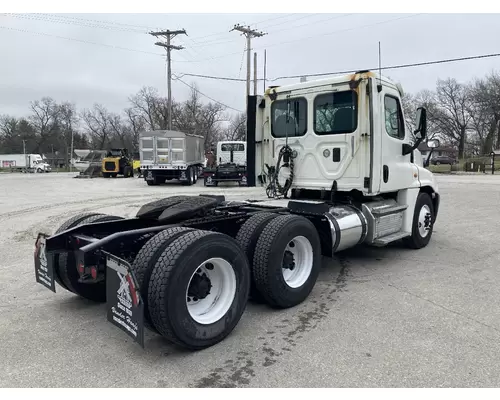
[(231, 164), (24, 162), (343, 173)]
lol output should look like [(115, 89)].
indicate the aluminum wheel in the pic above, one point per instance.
[(424, 221), (297, 261), (211, 291)]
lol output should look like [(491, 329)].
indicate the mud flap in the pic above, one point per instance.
[(125, 308), (44, 265)]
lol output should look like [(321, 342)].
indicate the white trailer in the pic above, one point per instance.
[(24, 162), (167, 155), (187, 264)]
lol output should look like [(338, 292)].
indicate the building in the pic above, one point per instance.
[(441, 151)]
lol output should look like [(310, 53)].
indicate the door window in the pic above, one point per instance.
[(394, 123)]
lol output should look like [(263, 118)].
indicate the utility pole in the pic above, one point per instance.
[(169, 35), (24, 152), (265, 65), (255, 74), (249, 34), (71, 156)]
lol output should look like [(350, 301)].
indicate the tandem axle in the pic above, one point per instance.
[(199, 258)]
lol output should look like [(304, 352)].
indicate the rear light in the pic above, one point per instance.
[(93, 272), (81, 268)]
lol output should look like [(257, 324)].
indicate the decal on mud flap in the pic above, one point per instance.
[(44, 270), (149, 176), (125, 308)]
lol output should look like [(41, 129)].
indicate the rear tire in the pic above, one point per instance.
[(289, 241), (70, 223), (423, 218), (144, 262), (68, 273), (247, 238), (189, 176), (180, 316), (128, 172)]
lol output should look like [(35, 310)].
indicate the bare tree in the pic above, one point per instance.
[(98, 125), (237, 128), (485, 111), (151, 108), (136, 125), (69, 119), (45, 120), (452, 116)]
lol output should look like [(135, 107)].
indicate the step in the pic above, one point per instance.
[(387, 210), (383, 241)]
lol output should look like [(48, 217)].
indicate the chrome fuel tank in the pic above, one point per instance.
[(348, 226)]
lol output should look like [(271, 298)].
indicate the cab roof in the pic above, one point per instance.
[(334, 80)]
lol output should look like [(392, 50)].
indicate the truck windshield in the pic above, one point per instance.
[(232, 147), (289, 117), (335, 113)]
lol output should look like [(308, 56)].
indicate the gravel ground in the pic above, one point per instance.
[(386, 317)]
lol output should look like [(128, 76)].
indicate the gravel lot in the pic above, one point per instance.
[(376, 318)]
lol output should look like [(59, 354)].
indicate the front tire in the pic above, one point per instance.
[(423, 223), (199, 289), (287, 261)]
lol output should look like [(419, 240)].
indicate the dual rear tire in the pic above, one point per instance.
[(284, 252), (195, 284)]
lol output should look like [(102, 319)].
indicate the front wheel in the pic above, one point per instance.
[(423, 222), (198, 289)]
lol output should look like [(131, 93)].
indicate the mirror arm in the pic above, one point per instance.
[(407, 148), (429, 157)]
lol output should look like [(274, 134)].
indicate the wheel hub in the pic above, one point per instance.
[(424, 221), (288, 260), (200, 287)]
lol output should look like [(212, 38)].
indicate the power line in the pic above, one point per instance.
[(73, 23), (79, 40), (309, 37), (340, 31), (315, 22), (97, 21), (290, 21), (220, 78), (203, 94), (271, 19), (400, 66)]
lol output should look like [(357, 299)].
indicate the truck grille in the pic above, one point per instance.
[(109, 166)]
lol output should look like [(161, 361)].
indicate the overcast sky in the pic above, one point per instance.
[(34, 64)]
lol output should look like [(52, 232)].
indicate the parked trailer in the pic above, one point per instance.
[(185, 266), (24, 162), (167, 155), (231, 164)]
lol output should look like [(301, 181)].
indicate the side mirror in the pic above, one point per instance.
[(421, 124), (433, 143)]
